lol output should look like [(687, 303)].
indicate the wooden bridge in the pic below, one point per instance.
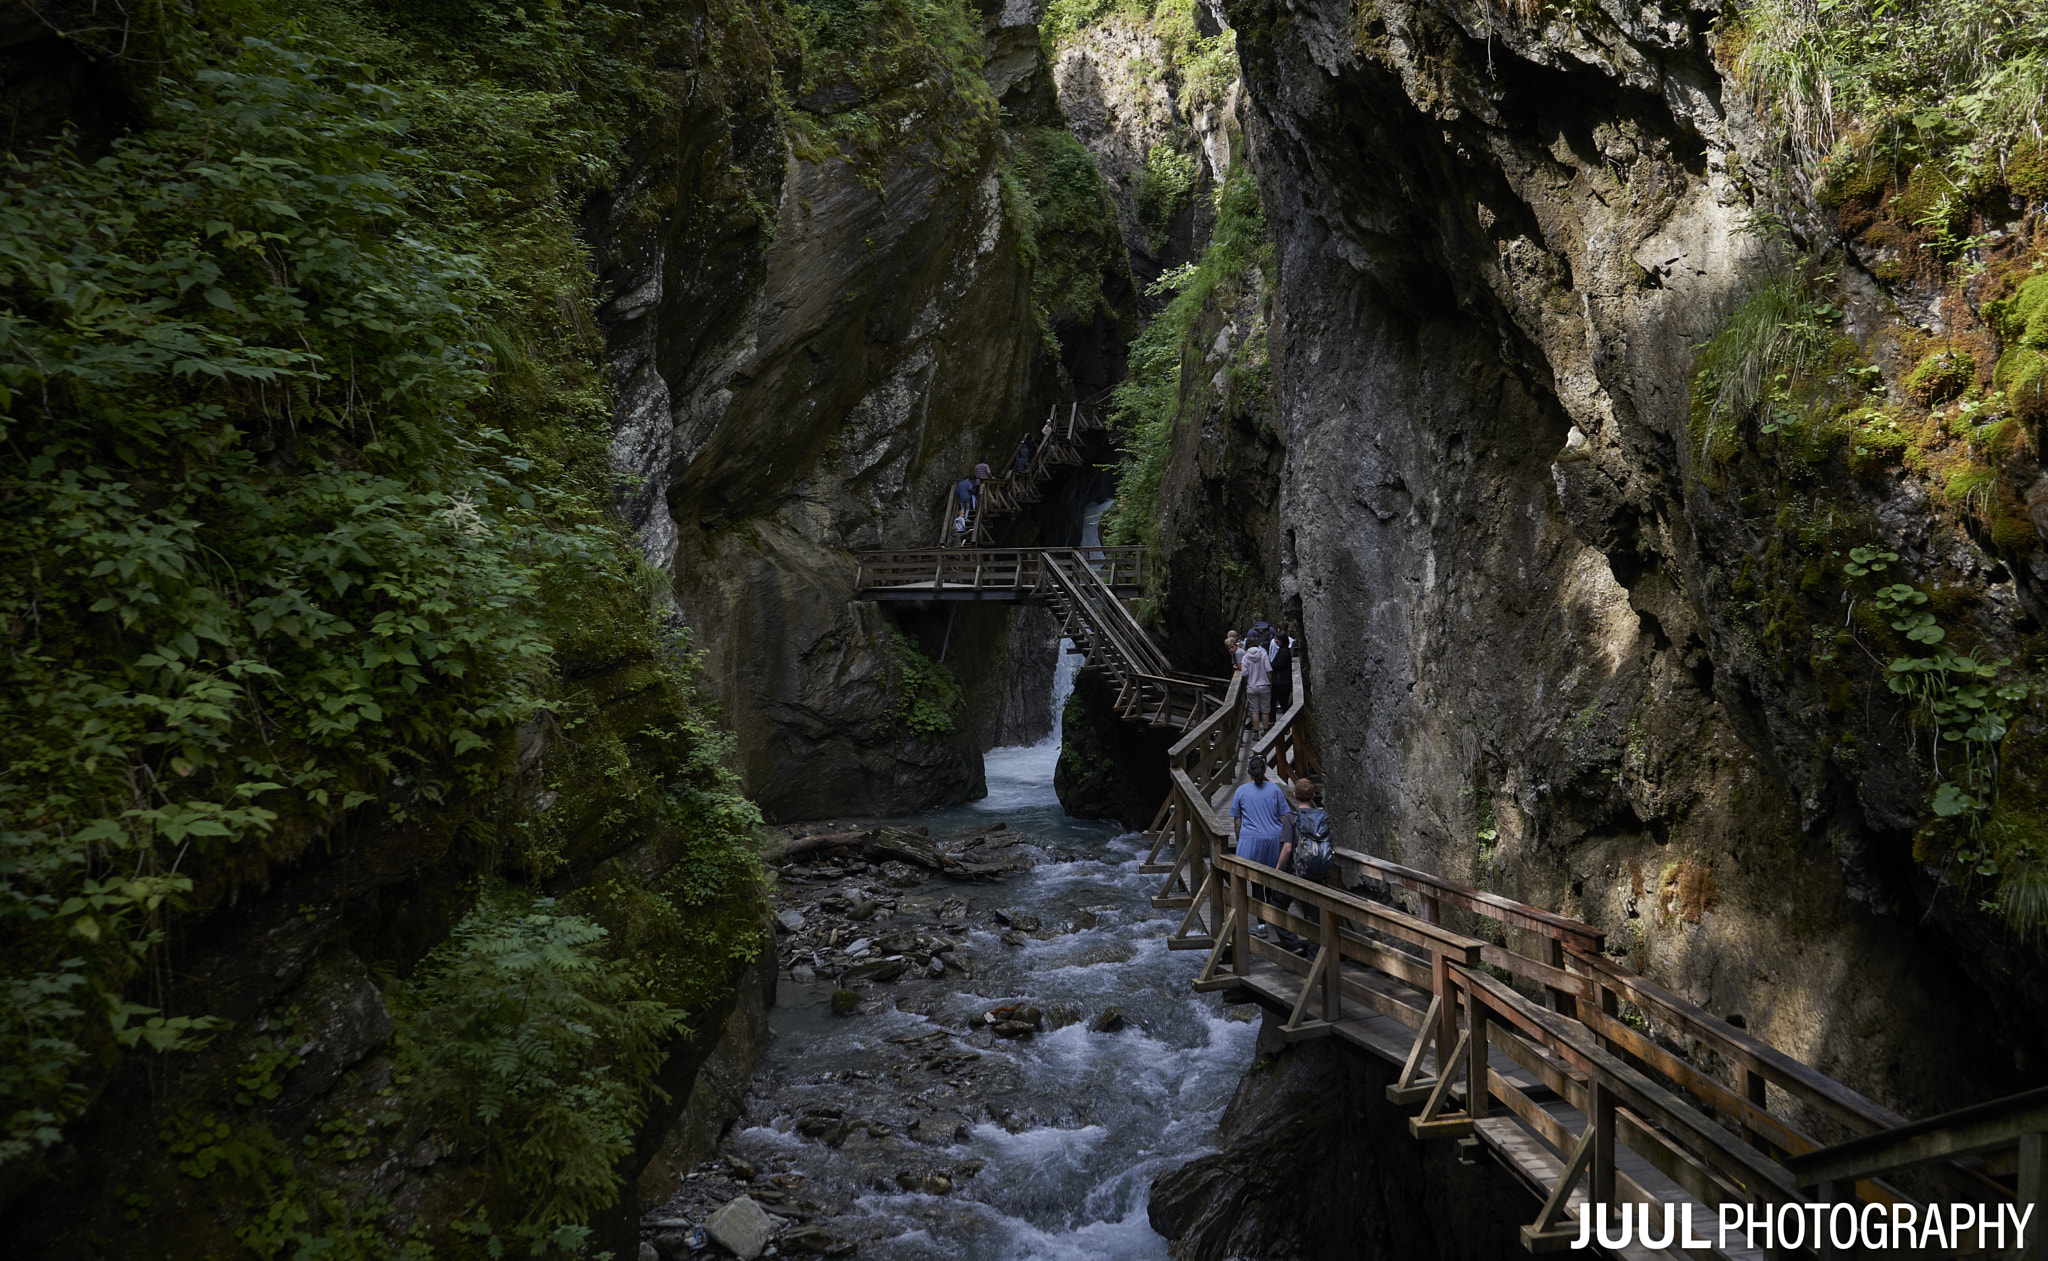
[(1086, 588), (1590, 1083)]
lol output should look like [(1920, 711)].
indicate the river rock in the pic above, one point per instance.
[(789, 922), (1110, 1021), (805, 1239), (648, 1252), (803, 974), (1014, 1029), (880, 970), (1011, 937), (937, 1184), (902, 941), (742, 1228), (845, 1002), (941, 1127), (887, 843)]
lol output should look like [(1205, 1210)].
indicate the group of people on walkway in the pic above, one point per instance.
[(1265, 656), (967, 491), (1287, 831)]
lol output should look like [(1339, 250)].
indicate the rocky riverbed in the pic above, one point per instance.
[(982, 1046)]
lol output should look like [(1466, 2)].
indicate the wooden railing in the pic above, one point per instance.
[(1011, 491), (959, 573), (1548, 1053), (1148, 688)]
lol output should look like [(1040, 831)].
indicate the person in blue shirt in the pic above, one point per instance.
[(1261, 810)]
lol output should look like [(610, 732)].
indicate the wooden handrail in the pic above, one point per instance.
[(1506, 910), (1796, 1079)]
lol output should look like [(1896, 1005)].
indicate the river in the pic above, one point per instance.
[(1071, 1125)]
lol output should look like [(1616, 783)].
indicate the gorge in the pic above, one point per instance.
[(442, 435)]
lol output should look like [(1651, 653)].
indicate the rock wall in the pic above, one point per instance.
[(1313, 1163), (1532, 662), (810, 342)]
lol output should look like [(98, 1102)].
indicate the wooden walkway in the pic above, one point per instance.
[(1086, 588), (1589, 1083), (1057, 445)]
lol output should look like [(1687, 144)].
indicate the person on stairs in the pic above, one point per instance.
[(1235, 651), (1280, 662), (963, 509), (1258, 686), (1259, 809), (1024, 454)]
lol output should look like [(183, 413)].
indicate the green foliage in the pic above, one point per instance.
[(1969, 712), (1937, 75), (2022, 322), (307, 514), (1760, 366), (910, 60), (262, 579), (1168, 186), (1067, 221), (928, 697), (1199, 68), (1147, 402), (524, 1039)]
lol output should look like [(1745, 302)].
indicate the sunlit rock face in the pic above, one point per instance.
[(1533, 664)]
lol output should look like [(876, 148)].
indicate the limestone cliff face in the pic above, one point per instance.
[(809, 345), (1534, 661)]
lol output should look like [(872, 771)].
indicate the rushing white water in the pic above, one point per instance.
[(1073, 1125)]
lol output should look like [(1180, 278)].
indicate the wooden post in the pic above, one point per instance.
[(1446, 1012), (1333, 987), (1560, 1002), (1241, 903), (1751, 1087), (1475, 1068), (1602, 1121), (1432, 910)]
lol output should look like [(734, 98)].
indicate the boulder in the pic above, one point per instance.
[(741, 1227), (789, 922), (1111, 1020), (879, 970)]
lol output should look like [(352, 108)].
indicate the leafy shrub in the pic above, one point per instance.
[(527, 1043), (928, 697), (1168, 186), (1147, 402), (255, 575)]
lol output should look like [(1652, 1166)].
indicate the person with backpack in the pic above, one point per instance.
[(1024, 454), (1307, 850), (1260, 811)]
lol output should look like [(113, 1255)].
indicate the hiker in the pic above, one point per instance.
[(1306, 850), (963, 506), (1258, 686), (1260, 811), (981, 474), (1024, 453), (1236, 653), (1280, 661), (1262, 634)]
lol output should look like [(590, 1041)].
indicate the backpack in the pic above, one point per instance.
[(1313, 849)]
